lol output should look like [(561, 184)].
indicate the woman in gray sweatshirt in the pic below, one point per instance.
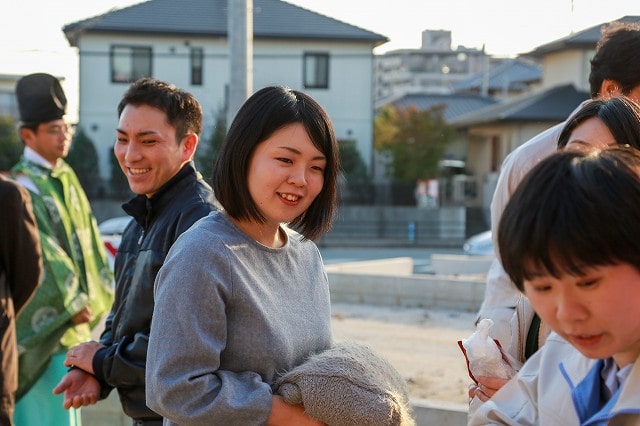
[(243, 295)]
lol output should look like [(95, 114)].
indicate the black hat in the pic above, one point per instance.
[(40, 98)]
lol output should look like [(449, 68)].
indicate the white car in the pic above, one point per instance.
[(111, 231), (479, 245)]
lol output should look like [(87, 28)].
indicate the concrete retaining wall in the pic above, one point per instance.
[(460, 264), (426, 291), (402, 266), (430, 413)]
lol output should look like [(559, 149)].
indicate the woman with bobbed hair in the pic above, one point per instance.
[(243, 296)]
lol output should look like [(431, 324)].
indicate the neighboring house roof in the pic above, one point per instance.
[(554, 104), (512, 74), (585, 39), (455, 104), (271, 19)]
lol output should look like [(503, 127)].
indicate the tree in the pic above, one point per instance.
[(356, 187), (83, 158), (208, 148), (414, 140), (118, 184), (353, 166), (10, 144)]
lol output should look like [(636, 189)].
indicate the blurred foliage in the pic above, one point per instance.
[(118, 184), (414, 141), (208, 147), (355, 185), (353, 166), (83, 158), (10, 144)]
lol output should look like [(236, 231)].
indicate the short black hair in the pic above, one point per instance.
[(573, 210), (183, 111), (265, 112), (621, 115), (616, 57)]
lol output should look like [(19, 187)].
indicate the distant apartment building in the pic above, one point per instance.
[(433, 68)]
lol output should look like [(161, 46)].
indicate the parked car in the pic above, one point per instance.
[(479, 245), (111, 231)]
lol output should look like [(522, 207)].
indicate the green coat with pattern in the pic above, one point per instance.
[(76, 272)]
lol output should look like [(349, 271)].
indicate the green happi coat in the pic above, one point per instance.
[(76, 270)]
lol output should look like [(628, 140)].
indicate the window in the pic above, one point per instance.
[(129, 63), (197, 56), (316, 70)]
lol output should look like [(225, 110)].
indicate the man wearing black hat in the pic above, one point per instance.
[(76, 290)]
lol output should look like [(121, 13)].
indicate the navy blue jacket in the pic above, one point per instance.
[(158, 221)]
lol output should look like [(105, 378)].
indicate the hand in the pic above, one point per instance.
[(81, 356), (486, 387), (283, 414), (85, 315), (80, 389)]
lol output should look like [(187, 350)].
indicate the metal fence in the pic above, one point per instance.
[(388, 226), (458, 190)]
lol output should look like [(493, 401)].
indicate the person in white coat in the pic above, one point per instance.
[(615, 71), (568, 239)]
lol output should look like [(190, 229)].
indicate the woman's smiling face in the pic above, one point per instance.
[(286, 173)]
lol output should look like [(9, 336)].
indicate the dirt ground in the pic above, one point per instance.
[(420, 343)]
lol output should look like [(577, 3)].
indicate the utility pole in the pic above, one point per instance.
[(486, 68), (240, 39)]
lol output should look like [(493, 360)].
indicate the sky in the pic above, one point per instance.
[(31, 38)]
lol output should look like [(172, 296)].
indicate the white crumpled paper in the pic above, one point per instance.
[(484, 357)]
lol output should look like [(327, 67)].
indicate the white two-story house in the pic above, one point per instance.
[(185, 42)]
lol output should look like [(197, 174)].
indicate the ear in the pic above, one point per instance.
[(189, 144), (26, 134), (610, 89)]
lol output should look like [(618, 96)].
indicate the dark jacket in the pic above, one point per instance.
[(158, 221), (20, 273)]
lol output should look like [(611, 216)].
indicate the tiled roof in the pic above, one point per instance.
[(513, 74), (549, 105), (455, 104), (271, 19), (585, 39)]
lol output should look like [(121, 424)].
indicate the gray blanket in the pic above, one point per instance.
[(348, 385)]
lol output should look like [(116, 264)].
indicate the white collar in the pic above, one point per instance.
[(33, 157)]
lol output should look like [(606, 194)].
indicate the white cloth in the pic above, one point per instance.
[(541, 393), (501, 295), (35, 158)]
